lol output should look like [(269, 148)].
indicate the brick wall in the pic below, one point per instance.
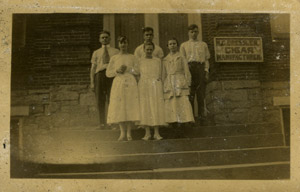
[(58, 49), (243, 93), (276, 54)]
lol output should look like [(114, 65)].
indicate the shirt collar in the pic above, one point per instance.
[(192, 40), (105, 46)]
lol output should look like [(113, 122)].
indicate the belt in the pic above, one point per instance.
[(195, 62)]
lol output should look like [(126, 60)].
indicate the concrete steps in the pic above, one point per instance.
[(82, 151), (150, 161), (270, 170), (249, 152), (93, 134)]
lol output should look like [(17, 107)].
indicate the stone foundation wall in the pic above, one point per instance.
[(270, 90), (68, 106), (244, 102), (228, 102)]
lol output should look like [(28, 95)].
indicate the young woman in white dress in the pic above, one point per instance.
[(123, 108), (177, 80), (151, 93)]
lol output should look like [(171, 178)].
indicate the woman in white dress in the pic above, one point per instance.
[(151, 93), (177, 79), (123, 108)]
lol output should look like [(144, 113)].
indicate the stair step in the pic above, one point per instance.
[(270, 170), (88, 152), (150, 161), (82, 134)]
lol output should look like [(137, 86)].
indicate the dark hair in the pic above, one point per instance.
[(149, 43), (173, 38), (104, 32), (192, 27), (146, 29), (122, 39)]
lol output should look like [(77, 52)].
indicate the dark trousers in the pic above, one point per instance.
[(198, 86), (102, 93)]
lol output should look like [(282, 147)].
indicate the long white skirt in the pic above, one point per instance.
[(178, 109), (151, 102), (124, 100)]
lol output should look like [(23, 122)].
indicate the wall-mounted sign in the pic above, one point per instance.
[(238, 49)]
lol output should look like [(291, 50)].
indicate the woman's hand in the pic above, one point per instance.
[(122, 69)]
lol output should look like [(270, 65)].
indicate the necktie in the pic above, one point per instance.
[(105, 56)]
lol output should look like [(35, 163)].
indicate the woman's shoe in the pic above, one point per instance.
[(157, 137), (147, 137), (121, 138), (129, 138)]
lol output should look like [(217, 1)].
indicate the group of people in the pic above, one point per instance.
[(148, 89)]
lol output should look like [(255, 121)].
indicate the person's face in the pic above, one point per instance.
[(148, 50), (193, 34), (123, 45), (172, 45), (148, 36), (104, 39)]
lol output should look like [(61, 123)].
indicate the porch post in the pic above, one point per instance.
[(195, 18), (151, 20), (109, 25)]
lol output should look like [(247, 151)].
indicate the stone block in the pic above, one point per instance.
[(267, 101), (236, 104), (276, 85), (83, 121), (254, 94), (36, 109), (60, 120), (276, 93), (31, 99), (281, 101), (281, 85), (38, 99), (18, 100), (232, 95), (38, 91), (240, 110), (64, 96), (72, 88), (29, 129), (221, 118), (241, 84), (43, 122), (29, 120), (208, 99), (87, 98), (75, 109), (52, 108), (255, 103), (212, 86), (255, 115), (19, 111), (18, 93), (65, 103), (238, 118), (272, 116)]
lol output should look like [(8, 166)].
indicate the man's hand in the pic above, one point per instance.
[(206, 76), (92, 86)]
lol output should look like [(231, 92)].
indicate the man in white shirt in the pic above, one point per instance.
[(99, 82), (148, 37), (197, 54)]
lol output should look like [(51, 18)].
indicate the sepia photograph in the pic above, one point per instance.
[(150, 96)]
